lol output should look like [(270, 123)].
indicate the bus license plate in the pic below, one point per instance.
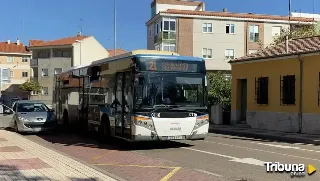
[(173, 137)]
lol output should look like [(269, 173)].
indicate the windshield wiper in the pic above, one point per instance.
[(165, 106)]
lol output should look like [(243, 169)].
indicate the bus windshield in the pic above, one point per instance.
[(162, 89)]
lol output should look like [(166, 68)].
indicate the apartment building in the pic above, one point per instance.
[(53, 57), (14, 67), (187, 28)]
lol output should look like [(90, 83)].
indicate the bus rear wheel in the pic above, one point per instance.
[(104, 129)]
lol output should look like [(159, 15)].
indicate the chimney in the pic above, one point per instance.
[(8, 42), (18, 41), (224, 10), (79, 33), (287, 44)]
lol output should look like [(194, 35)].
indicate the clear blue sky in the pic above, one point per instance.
[(52, 19)]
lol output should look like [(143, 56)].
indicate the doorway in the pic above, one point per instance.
[(243, 101)]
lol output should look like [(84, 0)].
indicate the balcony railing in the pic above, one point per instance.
[(34, 62), (165, 37)]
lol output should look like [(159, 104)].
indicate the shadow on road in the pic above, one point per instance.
[(9, 172), (90, 140)]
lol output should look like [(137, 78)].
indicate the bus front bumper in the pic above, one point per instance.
[(145, 134)]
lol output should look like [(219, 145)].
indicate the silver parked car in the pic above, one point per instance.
[(32, 116)]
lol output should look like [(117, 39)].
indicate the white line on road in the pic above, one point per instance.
[(272, 152), (288, 147), (250, 161), (209, 173)]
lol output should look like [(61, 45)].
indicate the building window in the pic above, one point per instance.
[(25, 59), (254, 33), (229, 53), (230, 28), (261, 90), (45, 72), (207, 53), (169, 24), (9, 59), (288, 90), (252, 51), (276, 30), (24, 74), (45, 90), (57, 71), (207, 27), (169, 47)]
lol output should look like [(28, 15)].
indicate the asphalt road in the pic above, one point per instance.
[(218, 157)]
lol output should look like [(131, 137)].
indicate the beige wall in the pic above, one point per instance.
[(268, 32), (92, 50), (218, 41), (17, 67)]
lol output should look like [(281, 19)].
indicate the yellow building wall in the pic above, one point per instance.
[(311, 69), (272, 69)]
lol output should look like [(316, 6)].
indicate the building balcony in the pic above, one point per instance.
[(34, 62), (165, 37)]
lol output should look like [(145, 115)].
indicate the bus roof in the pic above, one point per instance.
[(140, 53)]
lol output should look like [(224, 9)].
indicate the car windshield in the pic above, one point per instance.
[(32, 107), (162, 89)]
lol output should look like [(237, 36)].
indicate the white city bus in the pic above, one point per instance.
[(143, 95)]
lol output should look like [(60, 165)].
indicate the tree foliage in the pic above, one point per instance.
[(219, 89), (298, 31), (30, 86)]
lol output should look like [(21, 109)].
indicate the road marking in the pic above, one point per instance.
[(250, 161), (272, 152), (169, 175), (288, 147), (209, 173), (277, 146), (165, 178)]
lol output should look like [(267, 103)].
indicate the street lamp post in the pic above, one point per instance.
[(78, 41), (115, 29)]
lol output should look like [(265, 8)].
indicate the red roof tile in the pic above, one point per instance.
[(13, 48), (35, 42), (119, 51), (237, 15), (62, 41), (295, 46)]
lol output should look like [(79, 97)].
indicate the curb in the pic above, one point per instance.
[(282, 138), (116, 177)]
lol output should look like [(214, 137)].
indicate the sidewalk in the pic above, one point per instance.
[(265, 134), (22, 159)]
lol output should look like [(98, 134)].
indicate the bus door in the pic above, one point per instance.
[(58, 99), (118, 104), (84, 103), (127, 105)]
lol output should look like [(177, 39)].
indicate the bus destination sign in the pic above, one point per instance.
[(171, 66)]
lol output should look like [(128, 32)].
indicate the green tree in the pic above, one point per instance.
[(30, 86), (219, 90), (297, 31)]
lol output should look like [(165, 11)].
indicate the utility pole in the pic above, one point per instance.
[(80, 26), (115, 29), (290, 17)]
